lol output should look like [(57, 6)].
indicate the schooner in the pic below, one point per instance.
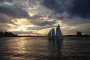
[(55, 33)]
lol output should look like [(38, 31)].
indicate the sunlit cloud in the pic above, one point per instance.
[(21, 21), (20, 25)]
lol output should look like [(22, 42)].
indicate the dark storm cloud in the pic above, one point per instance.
[(58, 6), (79, 8), (5, 19), (9, 1), (5, 10), (6, 0), (72, 12), (20, 12), (1, 0), (43, 23), (75, 21), (13, 11), (53, 5)]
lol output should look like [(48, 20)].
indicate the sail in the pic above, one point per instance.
[(50, 34), (53, 32), (58, 31)]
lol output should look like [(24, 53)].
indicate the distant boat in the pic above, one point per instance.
[(55, 33)]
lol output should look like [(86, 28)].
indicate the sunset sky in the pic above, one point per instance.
[(37, 17)]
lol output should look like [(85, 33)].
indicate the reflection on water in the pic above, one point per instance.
[(17, 44), (39, 48), (23, 48), (55, 47)]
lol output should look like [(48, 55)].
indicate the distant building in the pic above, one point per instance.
[(79, 33)]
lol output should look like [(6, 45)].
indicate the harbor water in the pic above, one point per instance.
[(40, 48)]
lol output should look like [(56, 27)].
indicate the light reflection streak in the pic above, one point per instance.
[(17, 45)]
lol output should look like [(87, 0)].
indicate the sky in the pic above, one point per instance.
[(37, 17)]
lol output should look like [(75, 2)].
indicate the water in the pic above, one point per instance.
[(39, 48)]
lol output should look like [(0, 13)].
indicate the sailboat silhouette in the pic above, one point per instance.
[(55, 37), (55, 34)]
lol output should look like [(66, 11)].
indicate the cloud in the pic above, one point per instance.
[(43, 23), (72, 7), (43, 14), (4, 18), (14, 12), (6, 0), (10, 10), (72, 12), (4, 26), (52, 4), (39, 27), (81, 8), (75, 21), (58, 6)]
